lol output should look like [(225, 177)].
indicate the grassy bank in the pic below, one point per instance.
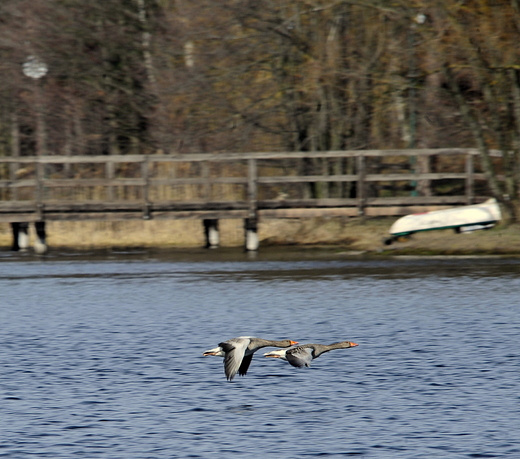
[(345, 234)]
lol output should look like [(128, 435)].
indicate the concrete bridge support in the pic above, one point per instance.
[(21, 241), (20, 236), (40, 243), (251, 230), (211, 233)]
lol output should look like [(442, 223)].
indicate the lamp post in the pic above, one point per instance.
[(35, 68), (412, 73), (418, 19)]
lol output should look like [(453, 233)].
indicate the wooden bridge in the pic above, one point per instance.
[(238, 185)]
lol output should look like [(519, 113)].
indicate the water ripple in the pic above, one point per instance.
[(102, 359)]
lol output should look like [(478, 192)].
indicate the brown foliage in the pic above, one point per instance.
[(137, 76)]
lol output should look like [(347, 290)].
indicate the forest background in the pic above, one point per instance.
[(151, 76)]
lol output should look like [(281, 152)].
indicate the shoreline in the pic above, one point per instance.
[(352, 236)]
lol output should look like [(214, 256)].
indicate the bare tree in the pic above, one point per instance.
[(475, 47), (131, 76), (97, 84)]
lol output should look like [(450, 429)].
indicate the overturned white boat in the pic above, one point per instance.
[(461, 219)]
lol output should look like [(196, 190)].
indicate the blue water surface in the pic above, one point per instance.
[(102, 357)]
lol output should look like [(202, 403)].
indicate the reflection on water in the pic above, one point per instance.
[(101, 355)]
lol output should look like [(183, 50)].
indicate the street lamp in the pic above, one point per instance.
[(419, 18), (35, 68)]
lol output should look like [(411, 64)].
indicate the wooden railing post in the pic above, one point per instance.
[(470, 180), (251, 223), (360, 190), (145, 172), (252, 192), (39, 187), (207, 184), (109, 173), (15, 153)]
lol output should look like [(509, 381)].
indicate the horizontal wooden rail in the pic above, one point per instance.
[(229, 185), (220, 157)]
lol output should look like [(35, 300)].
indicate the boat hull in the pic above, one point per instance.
[(462, 219)]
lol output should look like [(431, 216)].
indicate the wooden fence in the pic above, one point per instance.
[(238, 185)]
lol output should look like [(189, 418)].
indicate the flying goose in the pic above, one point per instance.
[(303, 355), (238, 352)]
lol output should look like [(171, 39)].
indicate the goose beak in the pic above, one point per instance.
[(274, 356), (209, 353), (296, 342), (353, 344)]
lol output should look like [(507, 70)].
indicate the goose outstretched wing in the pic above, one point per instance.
[(235, 350)]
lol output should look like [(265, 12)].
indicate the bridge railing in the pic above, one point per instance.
[(242, 185)]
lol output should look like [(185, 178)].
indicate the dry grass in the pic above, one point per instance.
[(354, 234), (501, 240)]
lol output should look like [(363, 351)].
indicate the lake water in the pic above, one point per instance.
[(101, 356)]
